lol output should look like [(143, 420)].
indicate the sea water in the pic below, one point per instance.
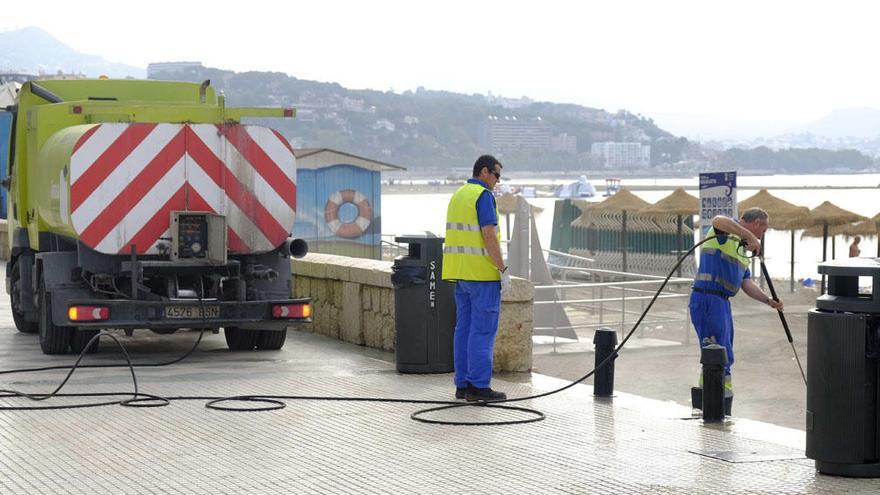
[(416, 213)]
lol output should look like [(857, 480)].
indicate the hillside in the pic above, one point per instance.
[(34, 51), (848, 122), (429, 129), (442, 130)]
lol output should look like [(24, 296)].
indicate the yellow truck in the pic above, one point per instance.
[(137, 204)]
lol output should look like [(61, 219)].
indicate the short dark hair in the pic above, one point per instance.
[(486, 161)]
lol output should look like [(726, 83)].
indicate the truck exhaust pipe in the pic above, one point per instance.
[(203, 88), (296, 247)]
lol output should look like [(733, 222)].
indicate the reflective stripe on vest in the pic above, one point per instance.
[(462, 226), (465, 256), (465, 250), (722, 267)]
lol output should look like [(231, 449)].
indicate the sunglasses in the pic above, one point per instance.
[(496, 174)]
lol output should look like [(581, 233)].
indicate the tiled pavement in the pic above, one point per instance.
[(628, 445)]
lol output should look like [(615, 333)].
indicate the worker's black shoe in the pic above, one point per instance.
[(460, 392), (473, 394)]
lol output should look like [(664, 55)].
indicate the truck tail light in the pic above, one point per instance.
[(291, 311), (88, 313)]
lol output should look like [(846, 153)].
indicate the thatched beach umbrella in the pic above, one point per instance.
[(585, 220), (506, 204), (863, 228), (828, 214), (679, 203), (783, 216), (622, 202)]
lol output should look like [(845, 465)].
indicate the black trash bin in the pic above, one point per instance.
[(424, 307), (843, 353)]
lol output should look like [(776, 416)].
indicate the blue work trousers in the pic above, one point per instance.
[(476, 322), (712, 319)]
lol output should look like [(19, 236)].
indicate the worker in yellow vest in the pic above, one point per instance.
[(472, 259), (723, 271)]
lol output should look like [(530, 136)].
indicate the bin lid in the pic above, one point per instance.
[(851, 267), (417, 238)]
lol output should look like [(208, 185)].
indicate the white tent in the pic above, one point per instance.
[(580, 189)]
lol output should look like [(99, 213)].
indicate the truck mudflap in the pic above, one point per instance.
[(275, 314)]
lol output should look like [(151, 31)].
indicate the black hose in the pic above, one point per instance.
[(417, 415), (275, 402)]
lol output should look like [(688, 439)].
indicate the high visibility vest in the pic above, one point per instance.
[(722, 266), (465, 256)]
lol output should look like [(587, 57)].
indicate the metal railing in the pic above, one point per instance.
[(608, 298), (391, 249), (594, 298)]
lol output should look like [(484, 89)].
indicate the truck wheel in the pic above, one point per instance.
[(79, 339), (271, 340), (240, 340), (53, 339), (21, 324)]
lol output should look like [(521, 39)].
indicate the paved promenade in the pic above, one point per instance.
[(627, 445)]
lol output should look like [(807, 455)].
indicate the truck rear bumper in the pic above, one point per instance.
[(186, 314)]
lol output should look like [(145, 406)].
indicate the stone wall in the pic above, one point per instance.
[(353, 301)]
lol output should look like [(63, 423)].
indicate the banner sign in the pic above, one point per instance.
[(717, 197)]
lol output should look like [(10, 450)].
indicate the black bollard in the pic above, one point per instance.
[(605, 340), (713, 358)]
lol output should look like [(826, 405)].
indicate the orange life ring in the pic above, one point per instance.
[(356, 227)]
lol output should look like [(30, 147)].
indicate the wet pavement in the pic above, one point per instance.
[(629, 444), (662, 361)]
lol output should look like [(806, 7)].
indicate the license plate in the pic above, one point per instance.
[(192, 312)]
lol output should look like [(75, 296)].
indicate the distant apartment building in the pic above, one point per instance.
[(509, 133), (156, 68), (621, 156), (564, 143)]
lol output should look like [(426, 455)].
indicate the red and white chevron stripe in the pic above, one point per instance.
[(125, 179)]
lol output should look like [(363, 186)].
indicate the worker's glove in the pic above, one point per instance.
[(505, 282)]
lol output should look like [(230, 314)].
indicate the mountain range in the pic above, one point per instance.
[(845, 123), (440, 129), (32, 50)]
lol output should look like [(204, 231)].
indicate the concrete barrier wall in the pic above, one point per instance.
[(353, 301)]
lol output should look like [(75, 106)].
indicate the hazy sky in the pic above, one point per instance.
[(691, 65)]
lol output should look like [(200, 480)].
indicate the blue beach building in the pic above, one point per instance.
[(338, 202)]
